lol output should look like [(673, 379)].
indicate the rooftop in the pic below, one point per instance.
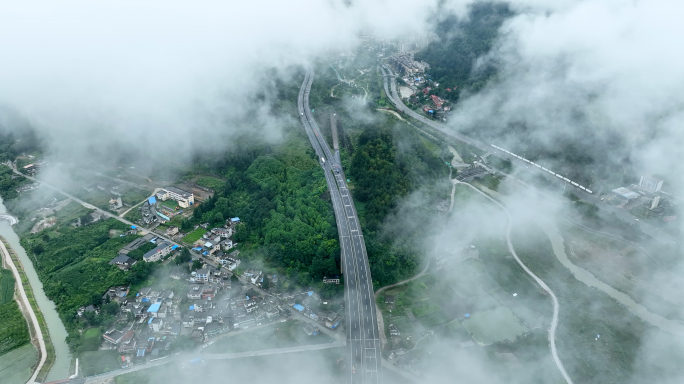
[(179, 191), (158, 248), (626, 193), (122, 259)]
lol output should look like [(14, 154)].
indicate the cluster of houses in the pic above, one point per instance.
[(152, 211), (212, 304), (146, 326), (406, 65), (161, 250), (217, 242), (308, 304)]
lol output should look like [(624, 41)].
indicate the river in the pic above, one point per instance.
[(586, 277), (58, 334)]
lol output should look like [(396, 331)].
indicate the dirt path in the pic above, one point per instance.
[(27, 306), (398, 116), (381, 322)]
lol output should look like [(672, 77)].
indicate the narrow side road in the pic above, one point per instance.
[(29, 310), (90, 206), (381, 321), (556, 307)]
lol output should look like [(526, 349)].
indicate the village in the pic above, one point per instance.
[(418, 89), (211, 295)]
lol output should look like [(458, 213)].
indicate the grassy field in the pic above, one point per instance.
[(429, 314), (494, 325), (280, 335), (91, 332), (210, 182), (134, 196), (133, 215), (629, 350), (15, 366), (194, 235), (13, 328), (70, 212), (93, 363), (6, 286), (168, 204)]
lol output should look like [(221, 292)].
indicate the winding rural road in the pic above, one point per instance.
[(556, 307), (90, 206), (29, 310), (381, 321), (390, 85)]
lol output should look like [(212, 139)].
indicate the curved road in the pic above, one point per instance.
[(90, 206), (381, 322), (29, 309), (556, 307), (389, 78)]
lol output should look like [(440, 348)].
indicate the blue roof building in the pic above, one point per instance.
[(154, 308), (235, 220), (298, 307), (152, 200)]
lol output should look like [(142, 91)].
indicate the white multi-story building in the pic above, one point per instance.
[(184, 199), (651, 184), (160, 251), (202, 275)]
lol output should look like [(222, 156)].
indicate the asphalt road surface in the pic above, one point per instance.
[(390, 86), (364, 362)]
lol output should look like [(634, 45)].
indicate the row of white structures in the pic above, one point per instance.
[(544, 169)]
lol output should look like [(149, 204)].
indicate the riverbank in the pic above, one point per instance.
[(586, 277), (37, 325), (47, 311)]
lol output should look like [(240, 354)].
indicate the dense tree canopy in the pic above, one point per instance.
[(461, 42)]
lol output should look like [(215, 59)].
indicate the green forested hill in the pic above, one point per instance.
[(282, 200), (460, 44)]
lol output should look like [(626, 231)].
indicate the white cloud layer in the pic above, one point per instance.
[(125, 69)]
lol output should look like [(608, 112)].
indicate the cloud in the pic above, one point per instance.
[(88, 74), (590, 71)]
